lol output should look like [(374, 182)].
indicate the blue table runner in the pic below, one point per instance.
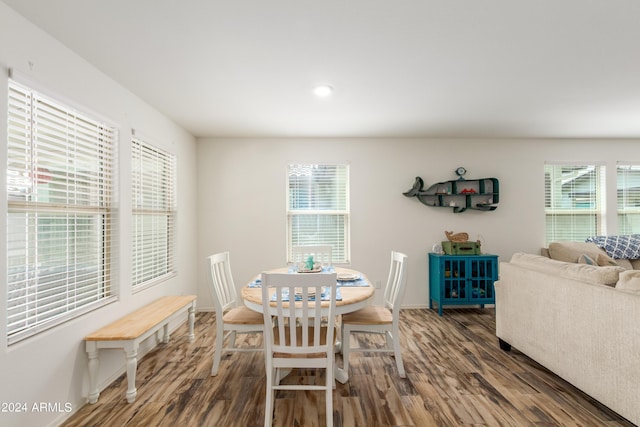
[(323, 297), (346, 283)]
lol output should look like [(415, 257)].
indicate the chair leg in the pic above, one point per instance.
[(268, 406), (329, 390), (398, 354), (346, 345), (218, 350), (232, 339), (333, 373), (331, 378), (329, 395), (388, 340)]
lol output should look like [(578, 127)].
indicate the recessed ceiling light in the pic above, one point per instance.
[(323, 90)]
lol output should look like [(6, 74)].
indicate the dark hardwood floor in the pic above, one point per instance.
[(456, 375)]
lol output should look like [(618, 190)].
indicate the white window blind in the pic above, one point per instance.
[(318, 208), (60, 224), (154, 210), (574, 201), (628, 186)]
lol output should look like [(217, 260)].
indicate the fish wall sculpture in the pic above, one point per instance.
[(460, 194)]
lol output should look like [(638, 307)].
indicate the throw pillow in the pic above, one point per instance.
[(586, 259), (629, 281), (571, 251), (619, 247), (604, 260)]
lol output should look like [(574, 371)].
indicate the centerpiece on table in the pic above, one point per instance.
[(309, 266)]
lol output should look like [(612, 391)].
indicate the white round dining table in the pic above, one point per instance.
[(353, 298)]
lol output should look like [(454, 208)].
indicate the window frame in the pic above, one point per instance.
[(628, 213), (61, 166), (342, 253), (553, 204), (150, 201)]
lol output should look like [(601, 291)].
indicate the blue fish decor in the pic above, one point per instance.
[(459, 194)]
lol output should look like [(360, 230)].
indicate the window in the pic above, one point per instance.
[(628, 186), (60, 225), (574, 201), (318, 208), (154, 211)]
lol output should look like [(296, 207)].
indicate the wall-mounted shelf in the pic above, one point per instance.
[(460, 194)]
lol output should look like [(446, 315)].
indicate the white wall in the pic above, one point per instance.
[(241, 198), (52, 367)]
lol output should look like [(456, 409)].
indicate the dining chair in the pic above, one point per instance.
[(296, 335), (321, 254), (231, 317), (380, 319)]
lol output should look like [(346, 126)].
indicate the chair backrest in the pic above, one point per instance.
[(396, 283), (321, 254), (222, 289), (314, 307)]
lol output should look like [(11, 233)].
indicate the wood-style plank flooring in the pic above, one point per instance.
[(456, 375)]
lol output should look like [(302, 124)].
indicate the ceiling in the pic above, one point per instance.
[(400, 68)]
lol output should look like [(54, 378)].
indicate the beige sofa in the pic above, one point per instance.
[(580, 321)]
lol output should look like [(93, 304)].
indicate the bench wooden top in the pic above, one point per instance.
[(140, 321)]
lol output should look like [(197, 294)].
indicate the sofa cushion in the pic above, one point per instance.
[(629, 281), (627, 264), (571, 251), (583, 272)]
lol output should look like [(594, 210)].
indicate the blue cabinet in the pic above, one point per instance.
[(462, 280)]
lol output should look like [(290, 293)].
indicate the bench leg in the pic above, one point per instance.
[(165, 336), (192, 320), (92, 352), (131, 352)]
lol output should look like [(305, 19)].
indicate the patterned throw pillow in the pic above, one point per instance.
[(619, 247)]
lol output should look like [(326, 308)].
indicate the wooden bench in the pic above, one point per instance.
[(128, 332)]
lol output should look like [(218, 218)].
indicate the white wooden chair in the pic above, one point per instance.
[(309, 342), (380, 319), (321, 254), (231, 317)]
